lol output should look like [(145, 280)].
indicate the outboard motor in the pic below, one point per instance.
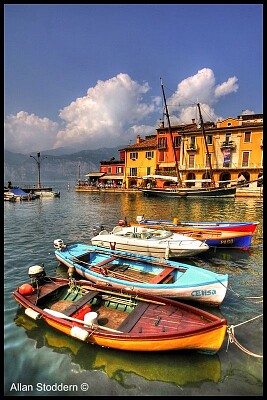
[(37, 275), (59, 244)]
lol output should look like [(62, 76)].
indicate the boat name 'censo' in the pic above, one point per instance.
[(43, 387), (203, 292)]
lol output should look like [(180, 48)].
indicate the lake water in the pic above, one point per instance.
[(38, 361)]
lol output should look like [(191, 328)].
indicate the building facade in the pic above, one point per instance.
[(235, 153)]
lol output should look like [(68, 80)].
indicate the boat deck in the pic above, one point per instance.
[(126, 272)]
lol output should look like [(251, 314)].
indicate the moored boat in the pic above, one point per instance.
[(47, 193), (18, 194), (149, 242), (206, 192), (240, 226), (124, 321), (143, 274), (213, 237)]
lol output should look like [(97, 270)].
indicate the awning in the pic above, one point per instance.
[(112, 177), (95, 174), (167, 165), (165, 177)]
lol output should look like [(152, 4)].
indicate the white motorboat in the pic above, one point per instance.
[(161, 243)]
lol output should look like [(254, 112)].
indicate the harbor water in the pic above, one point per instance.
[(39, 361)]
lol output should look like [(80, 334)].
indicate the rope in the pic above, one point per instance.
[(246, 298), (232, 339)]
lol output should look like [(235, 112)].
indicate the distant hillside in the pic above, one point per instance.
[(22, 168)]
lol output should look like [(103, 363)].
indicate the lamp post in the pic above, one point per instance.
[(38, 162)]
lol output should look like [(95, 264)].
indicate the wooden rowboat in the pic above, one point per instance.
[(143, 274), (118, 319), (249, 226)]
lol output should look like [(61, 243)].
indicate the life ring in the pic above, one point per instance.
[(112, 245)]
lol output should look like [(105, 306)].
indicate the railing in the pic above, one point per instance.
[(192, 147), (229, 143)]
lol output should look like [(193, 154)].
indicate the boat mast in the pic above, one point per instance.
[(206, 145), (170, 129)]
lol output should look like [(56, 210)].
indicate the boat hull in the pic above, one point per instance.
[(187, 192), (208, 342), (165, 251)]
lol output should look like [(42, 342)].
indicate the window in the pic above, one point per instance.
[(192, 144), (148, 171), (191, 160), (177, 141), (247, 137), (228, 138), (245, 158), (119, 170), (133, 171), (209, 139), (149, 154), (161, 156), (162, 143), (133, 156)]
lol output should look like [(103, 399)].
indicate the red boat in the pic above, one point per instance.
[(249, 226)]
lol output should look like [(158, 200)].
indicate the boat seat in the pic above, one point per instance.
[(117, 229), (78, 304), (108, 260), (162, 275), (104, 232), (133, 317)]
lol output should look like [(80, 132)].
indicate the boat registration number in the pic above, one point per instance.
[(227, 241)]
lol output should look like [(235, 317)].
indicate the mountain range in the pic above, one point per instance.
[(55, 165)]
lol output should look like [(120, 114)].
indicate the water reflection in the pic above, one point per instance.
[(180, 369)]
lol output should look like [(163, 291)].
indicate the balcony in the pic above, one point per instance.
[(192, 147), (228, 143)]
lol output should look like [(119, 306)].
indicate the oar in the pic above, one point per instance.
[(135, 296), (61, 315)]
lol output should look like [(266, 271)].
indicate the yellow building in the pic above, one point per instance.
[(140, 160)]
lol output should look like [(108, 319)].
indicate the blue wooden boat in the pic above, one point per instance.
[(143, 274)]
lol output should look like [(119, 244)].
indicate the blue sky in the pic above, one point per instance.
[(88, 76)]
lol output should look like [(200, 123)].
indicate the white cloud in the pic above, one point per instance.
[(249, 112), (113, 112), (227, 87), (105, 115), (26, 133), (199, 88)]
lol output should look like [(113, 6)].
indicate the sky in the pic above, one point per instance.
[(84, 77)]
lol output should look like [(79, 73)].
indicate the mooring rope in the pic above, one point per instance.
[(232, 339), (248, 297)]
